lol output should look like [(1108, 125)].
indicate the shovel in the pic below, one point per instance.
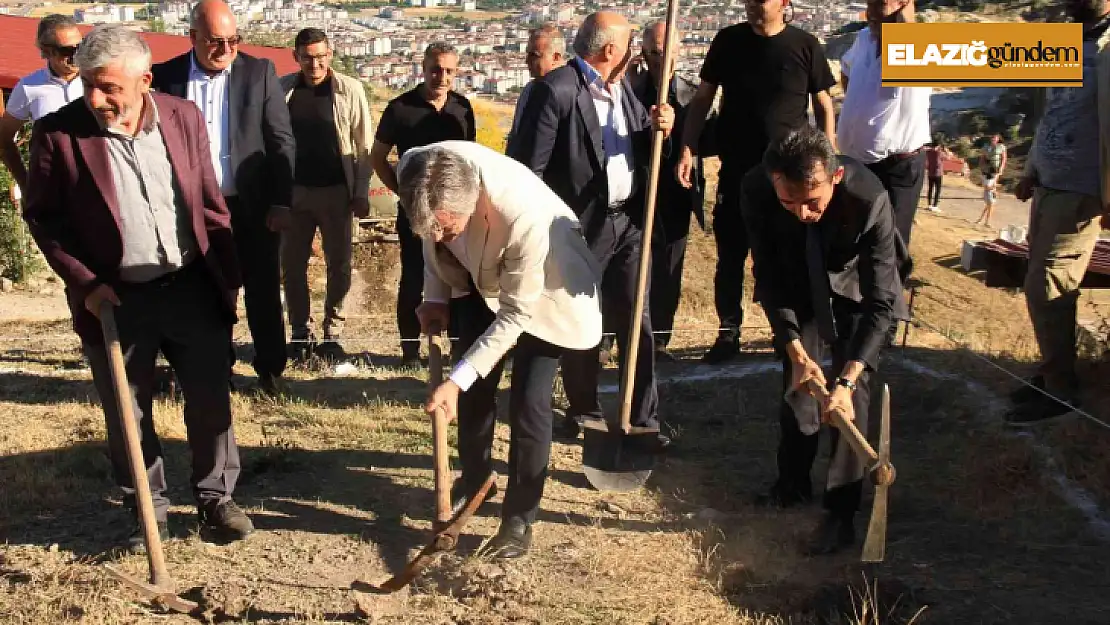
[(878, 465), (160, 589), (446, 529), (621, 459)]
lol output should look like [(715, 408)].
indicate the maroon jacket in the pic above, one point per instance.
[(71, 210)]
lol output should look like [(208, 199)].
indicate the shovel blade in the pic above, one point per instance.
[(874, 546), (161, 597), (614, 461)]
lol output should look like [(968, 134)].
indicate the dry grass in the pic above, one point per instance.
[(337, 477)]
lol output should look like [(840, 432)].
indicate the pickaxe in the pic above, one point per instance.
[(160, 590), (878, 465), (446, 529)]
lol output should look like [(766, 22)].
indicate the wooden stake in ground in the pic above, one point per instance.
[(160, 590), (615, 460)]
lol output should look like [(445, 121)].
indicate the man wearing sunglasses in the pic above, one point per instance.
[(43, 92), (252, 151)]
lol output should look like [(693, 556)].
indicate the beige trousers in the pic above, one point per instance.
[(1063, 229), (326, 208)]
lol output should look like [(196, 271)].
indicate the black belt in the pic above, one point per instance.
[(901, 156), (167, 279)]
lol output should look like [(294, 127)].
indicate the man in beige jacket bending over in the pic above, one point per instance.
[(505, 262)]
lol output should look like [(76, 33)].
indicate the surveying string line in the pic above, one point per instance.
[(1086, 415), (60, 337)]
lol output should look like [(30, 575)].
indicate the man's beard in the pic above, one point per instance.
[(118, 117)]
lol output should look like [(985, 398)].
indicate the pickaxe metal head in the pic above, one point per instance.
[(882, 476)]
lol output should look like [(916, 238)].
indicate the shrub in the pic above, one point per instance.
[(19, 256)]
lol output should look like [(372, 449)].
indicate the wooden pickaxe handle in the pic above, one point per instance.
[(855, 438), (159, 575), (440, 449)]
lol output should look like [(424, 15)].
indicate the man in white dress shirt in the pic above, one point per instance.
[(505, 263), (885, 128), (43, 92), (546, 50)]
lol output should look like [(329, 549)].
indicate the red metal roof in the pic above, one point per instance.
[(19, 56)]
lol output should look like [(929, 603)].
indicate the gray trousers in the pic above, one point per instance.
[(797, 450), (180, 315)]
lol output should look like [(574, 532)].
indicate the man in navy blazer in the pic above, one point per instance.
[(247, 120), (589, 139)]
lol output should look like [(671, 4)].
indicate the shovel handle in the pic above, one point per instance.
[(440, 449), (855, 438), (159, 576)]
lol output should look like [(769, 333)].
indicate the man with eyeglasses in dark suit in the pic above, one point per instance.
[(252, 152)]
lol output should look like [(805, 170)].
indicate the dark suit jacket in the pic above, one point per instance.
[(559, 138), (675, 201), (72, 211), (262, 147), (865, 258)]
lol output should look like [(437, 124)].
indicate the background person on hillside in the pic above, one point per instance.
[(1068, 177), (42, 92), (430, 112), (546, 50), (331, 124), (934, 168), (885, 128), (992, 162), (770, 73)]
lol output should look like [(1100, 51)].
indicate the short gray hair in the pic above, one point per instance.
[(436, 179), (591, 38), (557, 43), (47, 34), (438, 48), (111, 43)]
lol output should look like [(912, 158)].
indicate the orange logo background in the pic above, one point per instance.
[(982, 55)]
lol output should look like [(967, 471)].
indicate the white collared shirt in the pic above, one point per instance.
[(616, 140), (41, 93), (876, 121), (210, 94)]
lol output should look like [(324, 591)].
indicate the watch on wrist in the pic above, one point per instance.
[(846, 383)]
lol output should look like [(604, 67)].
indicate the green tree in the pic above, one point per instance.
[(19, 256)]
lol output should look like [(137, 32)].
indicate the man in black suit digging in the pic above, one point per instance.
[(829, 267)]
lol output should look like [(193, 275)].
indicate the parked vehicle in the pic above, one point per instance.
[(954, 165)]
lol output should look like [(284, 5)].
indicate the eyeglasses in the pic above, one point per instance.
[(216, 42), (65, 51)]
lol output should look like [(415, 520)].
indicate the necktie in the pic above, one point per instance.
[(819, 284)]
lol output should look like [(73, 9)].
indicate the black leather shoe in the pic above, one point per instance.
[(723, 350), (270, 385), (513, 540), (459, 496), (137, 544), (832, 535), (225, 521), (1026, 393)]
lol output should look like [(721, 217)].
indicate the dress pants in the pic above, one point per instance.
[(932, 193), (616, 245), (259, 252), (797, 450), (731, 236), (535, 363), (668, 254), (1063, 229), (410, 291), (902, 177), (327, 209), (182, 315)]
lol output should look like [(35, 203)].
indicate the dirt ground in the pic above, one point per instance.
[(985, 526)]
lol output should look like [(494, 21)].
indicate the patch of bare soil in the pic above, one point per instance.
[(338, 479)]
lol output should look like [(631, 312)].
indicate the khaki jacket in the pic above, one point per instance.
[(526, 255), (352, 128)]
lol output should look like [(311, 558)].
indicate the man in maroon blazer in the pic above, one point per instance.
[(123, 201)]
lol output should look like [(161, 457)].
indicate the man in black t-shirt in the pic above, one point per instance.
[(428, 113), (770, 73), (331, 185)]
